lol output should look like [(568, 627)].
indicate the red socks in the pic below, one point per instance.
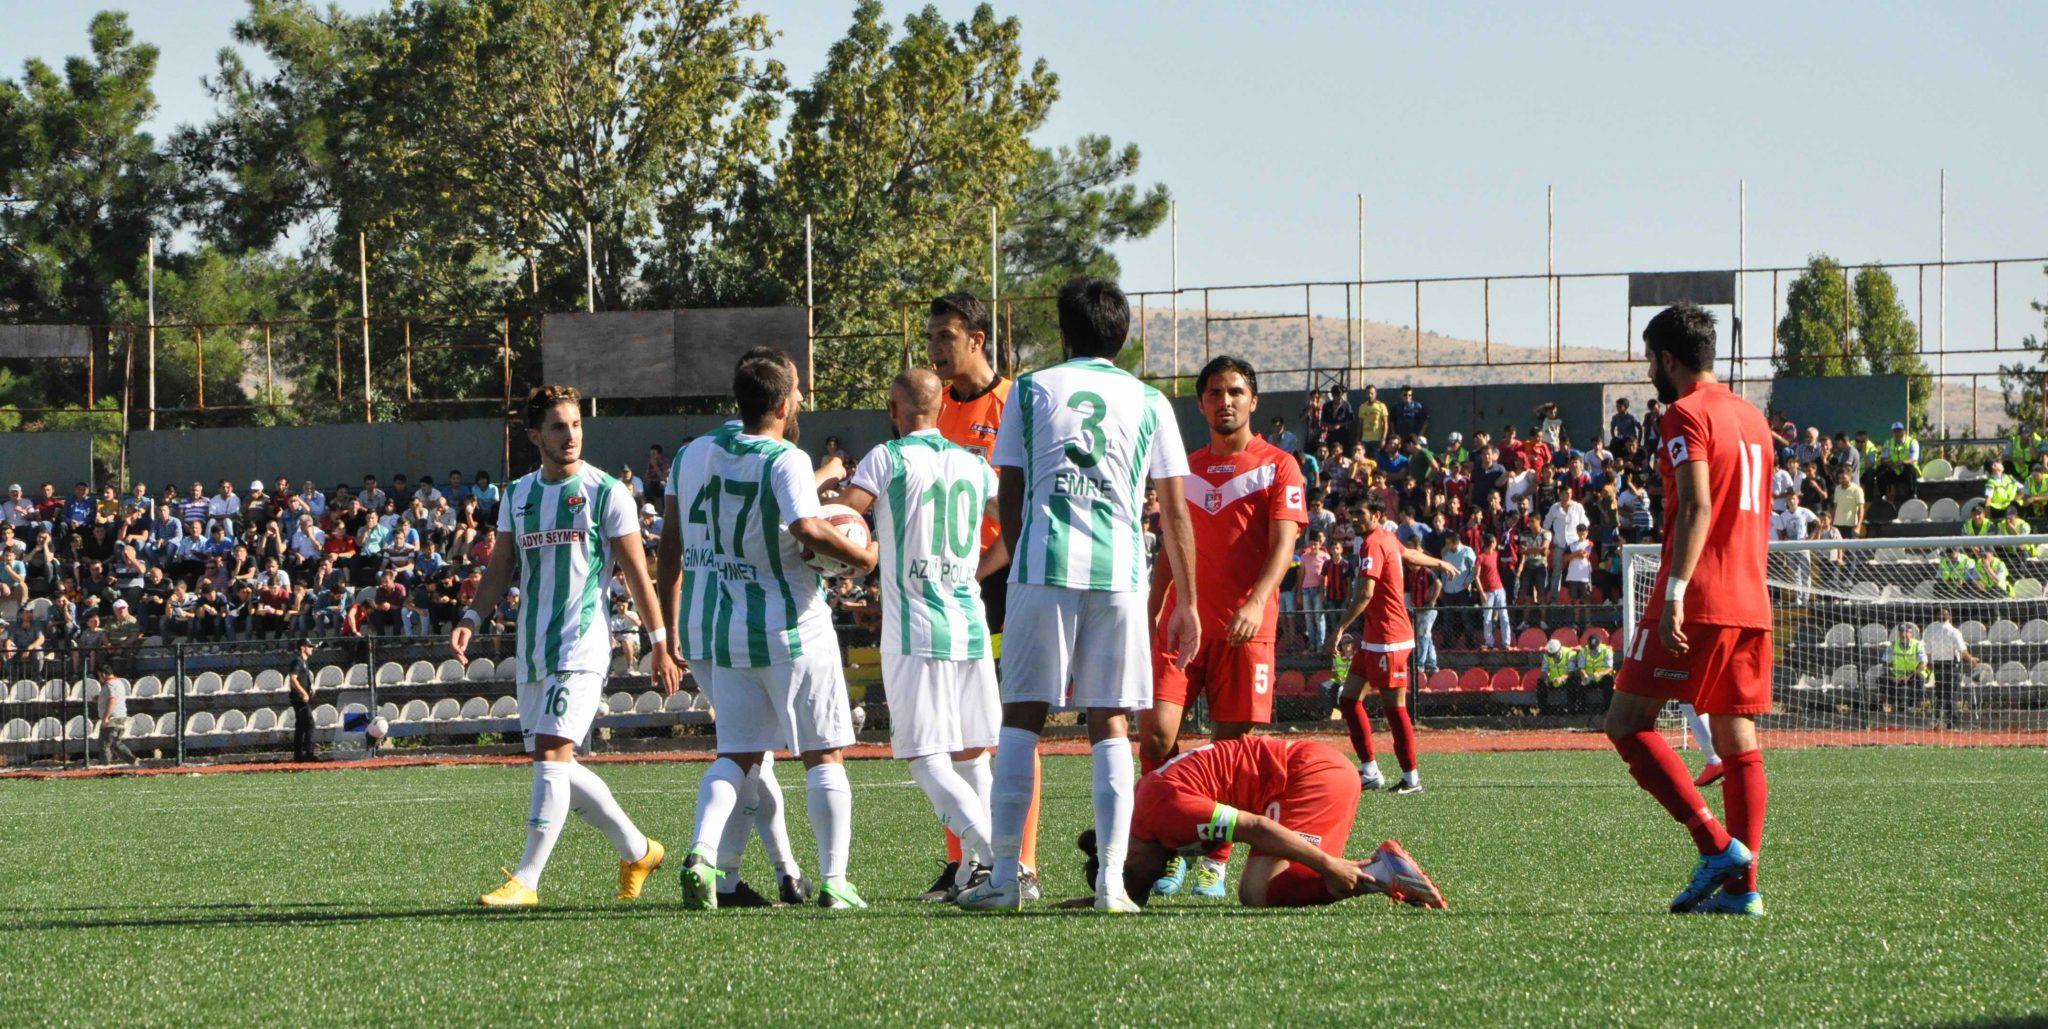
[(1404, 735), (1743, 794), (1360, 726), (1297, 886), (1659, 770)]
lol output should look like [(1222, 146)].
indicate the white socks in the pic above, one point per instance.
[(1702, 737), (732, 843), (1371, 769), (978, 774), (1411, 777), (1114, 781), (768, 820), (544, 819), (592, 800), (831, 807), (717, 794), (1010, 799), (955, 803)]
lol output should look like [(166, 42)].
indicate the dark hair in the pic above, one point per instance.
[(1686, 332), (969, 309), (1095, 318), (1377, 508), (1223, 364), (760, 383)]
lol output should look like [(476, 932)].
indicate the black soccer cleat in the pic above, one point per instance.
[(745, 896), (795, 889), (941, 890)]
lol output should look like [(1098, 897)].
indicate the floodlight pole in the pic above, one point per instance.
[(1941, 323), (1741, 265), (810, 311), (363, 278), (995, 293), (152, 334), (1173, 233)]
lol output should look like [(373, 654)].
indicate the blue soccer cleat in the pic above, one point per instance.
[(1708, 875), (1726, 903), (1170, 881), (1209, 880)]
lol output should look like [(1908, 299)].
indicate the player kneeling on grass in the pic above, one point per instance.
[(559, 528), (929, 497), (1308, 794)]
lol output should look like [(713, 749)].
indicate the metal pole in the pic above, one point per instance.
[(1356, 344), (810, 306), (178, 675), (408, 360), (1941, 294), (1552, 323), (505, 355), (363, 277), (269, 389), (199, 360), (589, 270), (1486, 301), (1418, 323), (152, 334), (1308, 318), (1741, 266), (995, 283), (1173, 233)]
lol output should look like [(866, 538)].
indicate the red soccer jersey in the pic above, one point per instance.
[(1246, 773), (1386, 614), (1712, 424), (1233, 502)]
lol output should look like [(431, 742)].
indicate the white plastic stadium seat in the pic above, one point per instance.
[(505, 707), (75, 728), (2012, 673), (359, 675), (199, 724), (1873, 634), (326, 717), (147, 687), (265, 720), (24, 691), (2035, 631), (649, 703), (481, 669), (206, 684), (1876, 675), (1925, 589), (1867, 590), (329, 676), (2003, 631), (141, 727), (2027, 589), (414, 711), (2040, 672), (676, 703), (238, 681), (419, 673), (476, 707), (1913, 510), (53, 691), (1937, 470), (40, 607), (17, 730), (1973, 632), (390, 673), (1945, 509), (269, 680), (619, 703), (388, 711), (449, 671), (287, 719), (233, 721), (446, 709)]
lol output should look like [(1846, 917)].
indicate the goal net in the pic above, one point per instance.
[(1851, 619)]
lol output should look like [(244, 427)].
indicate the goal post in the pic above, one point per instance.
[(1840, 671)]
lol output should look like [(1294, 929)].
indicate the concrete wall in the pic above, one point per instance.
[(33, 458), (1844, 403), (327, 454)]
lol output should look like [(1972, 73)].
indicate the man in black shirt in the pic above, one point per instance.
[(300, 679)]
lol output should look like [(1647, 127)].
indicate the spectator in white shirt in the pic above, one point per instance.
[(1792, 522), (308, 541), (1784, 483), (1946, 653), (223, 508), (1563, 521)]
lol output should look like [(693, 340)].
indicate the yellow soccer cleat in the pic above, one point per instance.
[(514, 894), (633, 874)]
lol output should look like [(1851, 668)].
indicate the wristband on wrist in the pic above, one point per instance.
[(1674, 589), (658, 636)]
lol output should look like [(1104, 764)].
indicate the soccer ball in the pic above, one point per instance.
[(378, 728), (860, 717), (849, 524)]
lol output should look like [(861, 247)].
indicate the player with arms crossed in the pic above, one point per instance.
[(1246, 500), (1293, 801), (959, 335), (1705, 635), (928, 498), (687, 580), (559, 531), (776, 677), (1073, 455), (1382, 661)]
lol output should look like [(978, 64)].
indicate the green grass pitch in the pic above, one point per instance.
[(1905, 886)]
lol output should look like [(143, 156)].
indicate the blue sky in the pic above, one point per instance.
[(1266, 120)]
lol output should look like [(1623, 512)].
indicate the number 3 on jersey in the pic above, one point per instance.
[(1091, 427)]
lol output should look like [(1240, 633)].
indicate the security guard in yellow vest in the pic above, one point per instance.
[(2037, 490), (1898, 465), (1556, 687), (1909, 668), (1955, 570), (2023, 446), (1992, 576), (2013, 525), (1980, 523), (1596, 670), (2001, 491)]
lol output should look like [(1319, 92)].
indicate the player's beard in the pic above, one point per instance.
[(790, 431), (1667, 391)]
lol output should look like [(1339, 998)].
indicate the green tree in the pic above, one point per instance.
[(2024, 383), (1813, 334), (1888, 339), (82, 187)]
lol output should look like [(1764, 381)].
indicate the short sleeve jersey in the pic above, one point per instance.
[(1713, 425), (687, 474), (930, 499), (1386, 615), (563, 533), (771, 605), (972, 423), (1086, 435), (1245, 774), (1234, 502)]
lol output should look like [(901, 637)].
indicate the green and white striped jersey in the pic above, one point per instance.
[(770, 605), (564, 532), (1087, 435), (686, 476), (930, 496)]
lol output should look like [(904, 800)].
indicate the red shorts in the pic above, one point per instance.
[(1382, 669), (1725, 671), (1320, 801), (1237, 680)]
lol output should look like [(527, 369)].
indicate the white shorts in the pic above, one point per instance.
[(938, 706), (1076, 648), (563, 704), (800, 706)]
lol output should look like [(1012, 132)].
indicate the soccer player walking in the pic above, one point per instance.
[(1073, 454), (1705, 636), (1382, 661), (686, 577), (929, 497), (560, 530), (1245, 500), (776, 677)]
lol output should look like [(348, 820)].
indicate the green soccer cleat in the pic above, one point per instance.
[(1170, 881), (700, 883), (1726, 903), (842, 897)]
